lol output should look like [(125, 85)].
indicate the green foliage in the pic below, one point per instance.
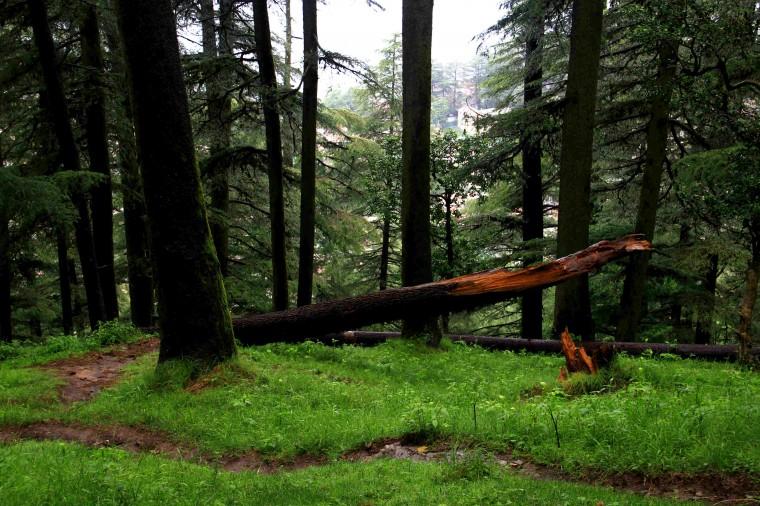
[(471, 465)]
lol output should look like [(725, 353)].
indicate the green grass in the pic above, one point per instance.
[(62, 473), (675, 415)]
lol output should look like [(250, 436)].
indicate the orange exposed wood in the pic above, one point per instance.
[(576, 357)]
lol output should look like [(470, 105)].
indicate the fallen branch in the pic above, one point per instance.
[(446, 296)]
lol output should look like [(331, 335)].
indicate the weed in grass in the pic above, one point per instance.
[(471, 464), (613, 377)]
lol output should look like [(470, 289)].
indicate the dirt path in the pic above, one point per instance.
[(713, 488), (88, 374)]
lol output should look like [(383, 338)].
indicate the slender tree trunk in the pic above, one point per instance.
[(385, 248), (97, 148), (64, 280), (703, 333), (531, 321), (274, 153), (416, 258), (746, 310), (139, 268), (219, 108), (572, 304), (287, 132), (6, 323), (634, 286), (308, 152), (55, 103), (194, 318), (449, 240)]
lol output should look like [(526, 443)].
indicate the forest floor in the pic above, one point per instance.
[(394, 424)]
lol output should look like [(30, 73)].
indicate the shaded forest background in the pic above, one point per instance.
[(675, 156)]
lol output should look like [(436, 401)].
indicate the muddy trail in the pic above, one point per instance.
[(712, 488), (86, 375)]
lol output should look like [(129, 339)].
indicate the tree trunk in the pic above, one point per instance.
[(308, 152), (139, 269), (572, 304), (634, 286), (64, 280), (6, 323), (385, 249), (287, 144), (55, 103), (274, 153), (531, 321), (430, 299), (746, 310), (416, 257), (194, 318), (218, 117), (97, 149), (703, 333)]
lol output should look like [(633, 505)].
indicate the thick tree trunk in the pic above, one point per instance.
[(703, 333), (416, 257), (430, 299), (97, 149), (274, 153), (55, 103), (139, 269), (531, 321), (572, 304), (385, 249), (308, 152), (634, 286), (64, 280), (219, 108), (6, 325), (194, 318), (746, 310)]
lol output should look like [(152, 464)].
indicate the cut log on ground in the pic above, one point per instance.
[(450, 295), (496, 343)]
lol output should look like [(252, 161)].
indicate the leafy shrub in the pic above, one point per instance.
[(116, 332), (471, 465)]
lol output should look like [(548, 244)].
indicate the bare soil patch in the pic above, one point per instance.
[(86, 375)]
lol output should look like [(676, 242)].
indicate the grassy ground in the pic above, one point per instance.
[(285, 400)]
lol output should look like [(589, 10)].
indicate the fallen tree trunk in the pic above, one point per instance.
[(450, 295), (702, 351)]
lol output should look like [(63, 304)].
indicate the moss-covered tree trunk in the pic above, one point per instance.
[(274, 153), (140, 272), (416, 258), (97, 150), (634, 286), (55, 104), (572, 305), (194, 319), (385, 250), (308, 152), (531, 310)]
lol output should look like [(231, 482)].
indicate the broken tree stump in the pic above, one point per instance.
[(449, 295)]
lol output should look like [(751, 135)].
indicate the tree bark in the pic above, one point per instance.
[(634, 286), (308, 152), (430, 299), (703, 333), (218, 117), (6, 323), (531, 321), (274, 153), (416, 257), (572, 304), (55, 103), (97, 149), (139, 269), (746, 310), (288, 141), (64, 280), (385, 249), (194, 318)]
